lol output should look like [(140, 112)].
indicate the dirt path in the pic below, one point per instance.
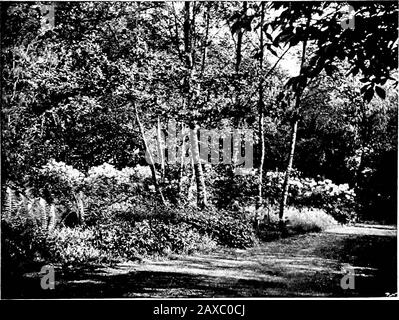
[(304, 265), (366, 229)]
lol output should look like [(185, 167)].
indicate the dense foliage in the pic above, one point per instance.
[(83, 99)]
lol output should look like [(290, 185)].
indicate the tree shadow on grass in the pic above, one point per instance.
[(141, 284), (374, 259)]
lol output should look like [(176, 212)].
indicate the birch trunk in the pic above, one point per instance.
[(285, 188), (261, 112), (161, 150), (298, 94), (150, 158), (182, 159), (199, 176)]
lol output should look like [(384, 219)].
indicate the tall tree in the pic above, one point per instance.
[(261, 107), (189, 64), (295, 119)]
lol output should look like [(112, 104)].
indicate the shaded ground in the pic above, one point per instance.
[(303, 265)]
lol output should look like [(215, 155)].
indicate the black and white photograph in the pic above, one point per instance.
[(199, 150)]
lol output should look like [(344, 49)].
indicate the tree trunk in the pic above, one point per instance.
[(187, 38), (363, 143), (161, 150), (262, 159), (205, 44), (182, 159), (240, 35), (298, 94), (285, 188), (199, 175), (150, 158), (261, 112), (176, 38), (192, 187)]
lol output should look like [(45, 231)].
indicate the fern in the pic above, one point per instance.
[(30, 210), (44, 214), (34, 211), (52, 218), (8, 203), (79, 206)]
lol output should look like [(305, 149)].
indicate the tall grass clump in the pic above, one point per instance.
[(307, 219)]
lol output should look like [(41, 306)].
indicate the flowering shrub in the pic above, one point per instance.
[(59, 181), (124, 176), (105, 180), (110, 191), (141, 172), (337, 200), (103, 191), (61, 185)]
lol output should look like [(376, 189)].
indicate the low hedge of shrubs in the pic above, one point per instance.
[(123, 242), (231, 229), (117, 242)]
